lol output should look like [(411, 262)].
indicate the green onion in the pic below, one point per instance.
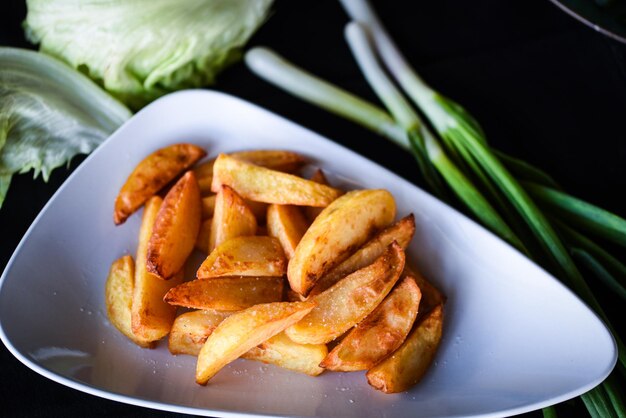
[(588, 217), (591, 405), (601, 402), (420, 138), (425, 144), (273, 68), (615, 395)]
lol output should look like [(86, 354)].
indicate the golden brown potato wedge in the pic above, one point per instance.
[(151, 175), (118, 293), (151, 318), (340, 229), (175, 229), (380, 333), (245, 256), (288, 224), (265, 185), (231, 218), (318, 177), (226, 293), (350, 300), (191, 329), (204, 236), (244, 330), (286, 161), (408, 364), (208, 206), (281, 351), (401, 232)]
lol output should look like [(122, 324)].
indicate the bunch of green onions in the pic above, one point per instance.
[(515, 200)]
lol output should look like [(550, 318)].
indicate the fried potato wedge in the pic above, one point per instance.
[(231, 218), (340, 229), (204, 236), (244, 330), (118, 293), (281, 351), (401, 232), (208, 206), (151, 317), (226, 293), (288, 224), (191, 329), (286, 161), (269, 186), (318, 177), (380, 333), (350, 300), (151, 175), (175, 229), (408, 364), (245, 256)]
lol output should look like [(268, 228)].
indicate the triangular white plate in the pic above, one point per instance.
[(515, 339)]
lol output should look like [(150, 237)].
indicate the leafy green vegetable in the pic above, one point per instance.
[(141, 49), (48, 114)]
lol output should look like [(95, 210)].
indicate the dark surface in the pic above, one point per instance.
[(545, 88)]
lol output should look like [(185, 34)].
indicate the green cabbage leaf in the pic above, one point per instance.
[(139, 50), (48, 114)]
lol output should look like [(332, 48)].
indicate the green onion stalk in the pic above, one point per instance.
[(517, 201)]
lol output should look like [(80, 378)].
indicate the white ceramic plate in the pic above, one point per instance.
[(515, 339)]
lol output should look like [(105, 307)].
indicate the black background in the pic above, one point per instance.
[(545, 88)]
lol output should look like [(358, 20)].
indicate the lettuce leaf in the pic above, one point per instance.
[(48, 114), (139, 50)]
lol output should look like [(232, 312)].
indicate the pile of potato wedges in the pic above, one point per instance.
[(297, 273)]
